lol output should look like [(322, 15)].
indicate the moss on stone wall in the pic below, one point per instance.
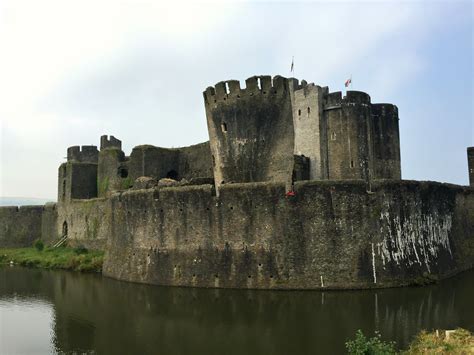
[(103, 185), (127, 183)]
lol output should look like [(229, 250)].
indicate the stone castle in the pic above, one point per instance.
[(296, 188)]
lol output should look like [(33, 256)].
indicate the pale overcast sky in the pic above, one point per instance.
[(71, 71)]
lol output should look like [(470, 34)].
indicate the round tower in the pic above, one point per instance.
[(386, 141), (348, 135), (250, 130)]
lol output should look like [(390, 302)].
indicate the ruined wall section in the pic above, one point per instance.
[(86, 154), (148, 160), (386, 142), (112, 171), (309, 127), (64, 181), (87, 222), (195, 162), (470, 165), (20, 226), (250, 130), (349, 135), (329, 235), (112, 142)]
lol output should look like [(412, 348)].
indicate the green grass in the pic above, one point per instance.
[(460, 341), (55, 258)]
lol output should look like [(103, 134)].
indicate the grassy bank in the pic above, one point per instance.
[(459, 341), (77, 259)]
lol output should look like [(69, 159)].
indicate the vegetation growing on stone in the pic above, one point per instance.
[(127, 183), (76, 259)]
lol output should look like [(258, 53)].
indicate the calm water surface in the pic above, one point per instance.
[(44, 312)]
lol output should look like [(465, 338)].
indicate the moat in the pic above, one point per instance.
[(54, 312)]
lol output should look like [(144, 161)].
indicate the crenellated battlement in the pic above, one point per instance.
[(356, 97), (112, 142), (383, 109), (83, 154), (352, 97), (333, 99), (230, 90), (304, 89)]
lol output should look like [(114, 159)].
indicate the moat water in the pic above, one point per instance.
[(43, 312)]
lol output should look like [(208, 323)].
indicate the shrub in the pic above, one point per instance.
[(38, 244), (373, 346), (80, 250)]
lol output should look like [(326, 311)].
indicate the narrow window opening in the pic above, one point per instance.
[(224, 127), (352, 163), (333, 136), (227, 89), (64, 188), (259, 84), (309, 111), (299, 112), (213, 161)]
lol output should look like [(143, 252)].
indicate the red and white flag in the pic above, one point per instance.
[(348, 82)]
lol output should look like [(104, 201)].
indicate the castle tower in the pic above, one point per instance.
[(280, 130), (309, 126), (470, 163), (386, 141), (77, 178), (112, 172), (251, 130), (348, 130)]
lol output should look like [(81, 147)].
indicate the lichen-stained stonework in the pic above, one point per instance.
[(331, 233), (297, 188)]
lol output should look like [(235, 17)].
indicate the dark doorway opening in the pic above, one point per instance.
[(122, 172), (172, 174), (64, 229)]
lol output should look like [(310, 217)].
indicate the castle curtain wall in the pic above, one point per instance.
[(331, 233)]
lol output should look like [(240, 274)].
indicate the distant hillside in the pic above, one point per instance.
[(22, 201)]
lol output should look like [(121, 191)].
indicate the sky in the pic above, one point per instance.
[(71, 71)]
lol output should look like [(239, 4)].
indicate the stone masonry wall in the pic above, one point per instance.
[(20, 226), (88, 222), (331, 235), (250, 130), (386, 142)]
